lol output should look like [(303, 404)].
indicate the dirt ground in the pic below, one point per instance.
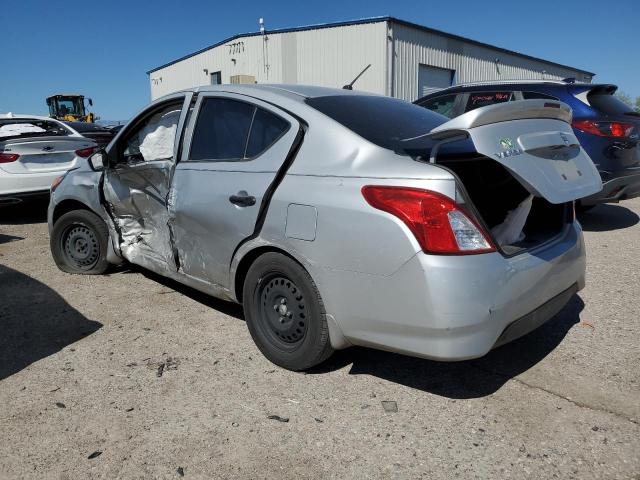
[(129, 375)]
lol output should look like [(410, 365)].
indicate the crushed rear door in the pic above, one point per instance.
[(534, 140)]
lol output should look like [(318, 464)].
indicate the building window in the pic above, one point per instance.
[(216, 78)]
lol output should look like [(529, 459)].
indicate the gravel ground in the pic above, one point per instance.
[(129, 375)]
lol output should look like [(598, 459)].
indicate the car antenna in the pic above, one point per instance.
[(349, 86)]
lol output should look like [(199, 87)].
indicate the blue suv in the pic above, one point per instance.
[(606, 127)]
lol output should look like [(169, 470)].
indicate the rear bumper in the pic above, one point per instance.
[(622, 187), (537, 318), (22, 185), (456, 307)]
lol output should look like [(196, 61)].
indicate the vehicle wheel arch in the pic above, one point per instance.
[(248, 259), (68, 205)]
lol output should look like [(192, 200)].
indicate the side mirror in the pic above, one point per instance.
[(98, 161), (90, 103)]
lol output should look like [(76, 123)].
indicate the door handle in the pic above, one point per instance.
[(242, 199)]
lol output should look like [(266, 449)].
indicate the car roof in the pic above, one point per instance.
[(295, 92)]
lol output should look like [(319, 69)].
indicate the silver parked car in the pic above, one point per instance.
[(341, 218)]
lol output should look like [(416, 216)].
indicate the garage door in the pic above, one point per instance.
[(431, 79)]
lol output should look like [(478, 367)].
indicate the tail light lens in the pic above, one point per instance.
[(604, 129), (8, 157), (437, 222), (86, 152)]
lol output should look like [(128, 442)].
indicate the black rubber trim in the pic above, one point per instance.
[(537, 317)]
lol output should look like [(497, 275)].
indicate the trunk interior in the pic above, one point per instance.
[(494, 192)]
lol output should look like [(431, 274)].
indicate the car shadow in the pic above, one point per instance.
[(607, 217), (228, 308), (35, 322), (9, 238), (24, 213), (460, 380)]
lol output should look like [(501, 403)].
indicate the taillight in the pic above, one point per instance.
[(8, 157), (437, 222), (604, 129), (86, 152)]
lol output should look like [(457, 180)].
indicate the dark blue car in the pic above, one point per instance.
[(607, 128)]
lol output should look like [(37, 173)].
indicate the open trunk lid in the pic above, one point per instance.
[(534, 140)]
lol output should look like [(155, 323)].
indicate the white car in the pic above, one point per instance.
[(34, 151)]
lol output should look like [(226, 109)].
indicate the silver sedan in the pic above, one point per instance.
[(340, 218)]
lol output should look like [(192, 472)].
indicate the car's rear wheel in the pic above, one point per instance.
[(285, 314), (79, 241)]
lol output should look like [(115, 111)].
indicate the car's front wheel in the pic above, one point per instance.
[(285, 314), (79, 241)]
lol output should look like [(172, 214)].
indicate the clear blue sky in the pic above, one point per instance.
[(103, 48)]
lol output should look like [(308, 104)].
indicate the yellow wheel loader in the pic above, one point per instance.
[(70, 108)]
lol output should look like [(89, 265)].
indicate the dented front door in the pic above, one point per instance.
[(136, 189)]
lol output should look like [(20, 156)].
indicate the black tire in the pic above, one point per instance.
[(79, 242), (285, 314)]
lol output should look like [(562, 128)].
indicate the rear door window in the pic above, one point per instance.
[(442, 105), (232, 130), (266, 129), (482, 99)]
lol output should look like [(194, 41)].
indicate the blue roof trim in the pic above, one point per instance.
[(362, 21)]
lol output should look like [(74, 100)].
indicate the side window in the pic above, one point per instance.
[(265, 131), (442, 105), (231, 130), (482, 99), (534, 95), (154, 139)]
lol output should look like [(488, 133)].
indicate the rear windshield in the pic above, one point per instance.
[(383, 121), (21, 128), (82, 127), (609, 105), (482, 99)]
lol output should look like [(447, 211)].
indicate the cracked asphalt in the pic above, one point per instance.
[(129, 375)]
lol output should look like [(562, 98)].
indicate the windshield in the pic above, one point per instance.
[(70, 106), (383, 121)]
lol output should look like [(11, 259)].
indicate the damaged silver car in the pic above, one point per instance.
[(341, 218)]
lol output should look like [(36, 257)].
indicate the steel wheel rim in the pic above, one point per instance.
[(282, 311), (81, 246)]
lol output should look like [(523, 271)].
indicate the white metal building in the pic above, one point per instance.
[(407, 60)]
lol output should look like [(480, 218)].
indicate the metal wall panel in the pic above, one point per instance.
[(471, 62), (329, 57), (333, 56), (258, 56)]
